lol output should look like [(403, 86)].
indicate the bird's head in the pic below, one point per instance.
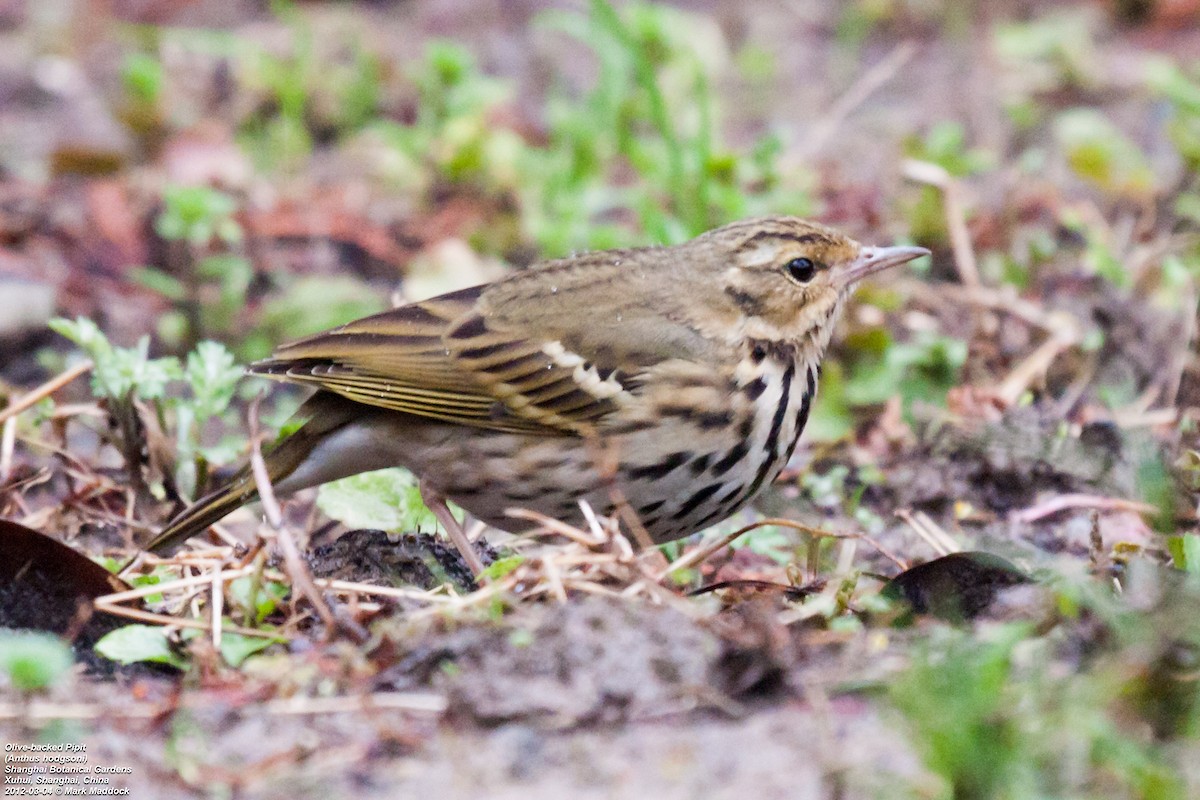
[(785, 279)]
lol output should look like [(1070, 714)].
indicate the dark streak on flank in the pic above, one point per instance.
[(521, 497), (700, 464), (705, 420), (724, 499), (695, 500), (713, 516), (735, 454), (634, 426), (662, 468), (805, 407), (650, 508)]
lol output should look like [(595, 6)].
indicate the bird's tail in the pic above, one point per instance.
[(324, 414)]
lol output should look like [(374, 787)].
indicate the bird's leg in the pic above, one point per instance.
[(437, 504)]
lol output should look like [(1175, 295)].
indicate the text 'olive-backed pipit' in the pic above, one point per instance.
[(695, 366)]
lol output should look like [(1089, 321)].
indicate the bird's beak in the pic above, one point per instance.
[(876, 259)]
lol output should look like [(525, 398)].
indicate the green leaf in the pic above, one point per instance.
[(236, 648), (266, 599), (134, 643), (501, 567), (143, 78), (1099, 152), (387, 499), (33, 660), (213, 374)]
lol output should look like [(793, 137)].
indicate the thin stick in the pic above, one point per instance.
[(703, 553), (8, 443), (553, 525), (296, 568), (217, 607), (867, 84), (956, 219), (942, 543), (381, 591), (170, 586), (168, 621), (1035, 365), (48, 388), (1065, 502)]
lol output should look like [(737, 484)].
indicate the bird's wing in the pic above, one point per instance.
[(444, 360)]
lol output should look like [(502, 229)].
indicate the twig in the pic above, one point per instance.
[(704, 552), (552, 525), (169, 621), (48, 388), (956, 219), (381, 591), (1064, 502), (1036, 364), (942, 543), (1145, 419), (8, 443), (301, 578), (867, 84), (217, 607), (169, 586)]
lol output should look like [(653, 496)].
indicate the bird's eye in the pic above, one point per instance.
[(801, 270)]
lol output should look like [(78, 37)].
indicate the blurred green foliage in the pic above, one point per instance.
[(994, 720), (32, 661), (1098, 152), (123, 375)]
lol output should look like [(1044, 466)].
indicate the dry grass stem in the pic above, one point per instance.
[(297, 569), (1036, 364), (1065, 502), (168, 621), (8, 443), (706, 551), (30, 399), (866, 85), (956, 219), (942, 543)]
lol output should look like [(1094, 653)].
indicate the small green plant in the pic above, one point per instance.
[(133, 643), (153, 644), (131, 383), (924, 368), (143, 80), (32, 661), (652, 110), (1101, 154), (453, 138), (1053, 52), (204, 278)]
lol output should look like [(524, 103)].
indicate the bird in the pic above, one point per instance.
[(694, 366)]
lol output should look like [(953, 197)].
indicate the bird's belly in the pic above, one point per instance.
[(678, 476)]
